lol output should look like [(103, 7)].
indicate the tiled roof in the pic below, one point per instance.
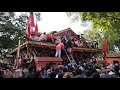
[(65, 30)]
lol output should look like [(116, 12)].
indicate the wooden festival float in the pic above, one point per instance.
[(44, 52)]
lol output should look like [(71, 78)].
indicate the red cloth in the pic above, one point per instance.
[(59, 46), (105, 42), (104, 49), (30, 24), (31, 20), (36, 29), (22, 60), (28, 33), (28, 28)]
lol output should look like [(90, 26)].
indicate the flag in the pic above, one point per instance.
[(104, 49), (105, 42), (28, 31), (36, 29), (31, 20), (30, 25)]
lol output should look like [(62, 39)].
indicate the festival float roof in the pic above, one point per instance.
[(51, 46), (65, 31)]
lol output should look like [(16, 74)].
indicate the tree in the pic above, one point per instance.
[(11, 27), (90, 35), (108, 22)]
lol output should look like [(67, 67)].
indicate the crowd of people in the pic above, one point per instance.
[(84, 69), (40, 37), (77, 41)]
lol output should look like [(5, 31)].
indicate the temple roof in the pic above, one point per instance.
[(64, 31), (52, 46)]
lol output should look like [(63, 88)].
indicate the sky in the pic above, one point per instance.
[(57, 21)]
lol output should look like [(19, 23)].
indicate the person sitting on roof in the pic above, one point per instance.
[(50, 38), (43, 37), (37, 38)]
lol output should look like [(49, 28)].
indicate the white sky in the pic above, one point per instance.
[(56, 21)]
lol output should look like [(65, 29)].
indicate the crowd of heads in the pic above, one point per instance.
[(84, 69)]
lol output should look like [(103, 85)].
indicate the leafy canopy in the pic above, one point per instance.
[(106, 22), (11, 28)]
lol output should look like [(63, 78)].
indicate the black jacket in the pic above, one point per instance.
[(69, 44), (63, 41)]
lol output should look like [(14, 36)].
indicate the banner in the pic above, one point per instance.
[(104, 49)]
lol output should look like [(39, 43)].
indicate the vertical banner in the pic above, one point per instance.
[(104, 49)]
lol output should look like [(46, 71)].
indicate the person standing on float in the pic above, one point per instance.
[(69, 45), (59, 47)]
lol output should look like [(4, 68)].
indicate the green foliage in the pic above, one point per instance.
[(11, 28), (90, 35), (108, 22)]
